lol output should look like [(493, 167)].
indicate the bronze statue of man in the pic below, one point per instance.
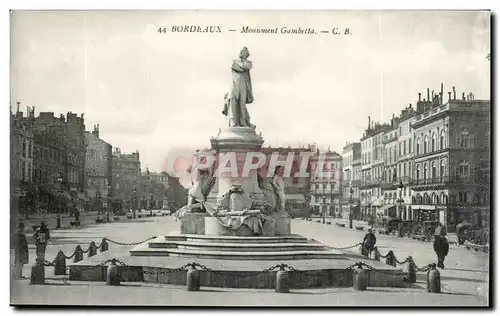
[(241, 91)]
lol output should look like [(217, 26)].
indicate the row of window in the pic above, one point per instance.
[(463, 170), (323, 186)]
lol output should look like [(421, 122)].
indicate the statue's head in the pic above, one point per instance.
[(244, 53)]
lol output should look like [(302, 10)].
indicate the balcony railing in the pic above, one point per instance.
[(356, 183), (346, 183), (371, 183), (444, 180)]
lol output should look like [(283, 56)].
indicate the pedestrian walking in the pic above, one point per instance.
[(369, 242), (20, 252), (41, 237), (441, 247)]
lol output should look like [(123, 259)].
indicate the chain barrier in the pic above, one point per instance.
[(391, 273), (345, 248), (383, 257), (129, 244), (74, 252), (402, 262)]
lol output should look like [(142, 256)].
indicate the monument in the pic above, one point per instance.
[(242, 205), (236, 224)]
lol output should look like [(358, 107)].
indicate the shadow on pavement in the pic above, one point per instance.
[(467, 270), (463, 279)]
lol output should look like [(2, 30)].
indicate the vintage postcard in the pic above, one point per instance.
[(236, 158)]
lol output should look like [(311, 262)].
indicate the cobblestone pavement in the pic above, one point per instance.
[(464, 280)]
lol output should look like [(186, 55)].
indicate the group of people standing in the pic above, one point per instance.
[(41, 237), (441, 246)]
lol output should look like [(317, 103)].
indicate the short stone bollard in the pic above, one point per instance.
[(390, 259), (375, 255), (359, 278), (104, 245), (193, 279), (282, 281), (92, 249), (37, 273), (78, 254), (113, 273), (364, 251), (60, 264), (412, 272), (433, 280)]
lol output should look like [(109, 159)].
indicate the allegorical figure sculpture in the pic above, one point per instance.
[(199, 191), (279, 189), (235, 106), (273, 190)]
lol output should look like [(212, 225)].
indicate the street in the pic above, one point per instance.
[(464, 279)]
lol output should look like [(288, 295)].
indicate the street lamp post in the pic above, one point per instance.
[(108, 205), (58, 219), (134, 201), (351, 191), (400, 202), (151, 197)]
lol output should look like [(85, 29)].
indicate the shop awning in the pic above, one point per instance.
[(427, 207), (295, 197), (377, 202), (386, 207)]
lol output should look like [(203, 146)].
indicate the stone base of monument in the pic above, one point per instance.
[(203, 224), (237, 262)]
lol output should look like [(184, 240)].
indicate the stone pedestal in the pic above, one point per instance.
[(241, 141), (193, 223), (214, 228), (282, 223)]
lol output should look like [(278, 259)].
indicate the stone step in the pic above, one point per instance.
[(236, 239), (229, 246), (237, 255)]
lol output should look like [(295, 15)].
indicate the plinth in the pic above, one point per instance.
[(239, 141)]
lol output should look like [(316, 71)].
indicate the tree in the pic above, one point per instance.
[(176, 194)]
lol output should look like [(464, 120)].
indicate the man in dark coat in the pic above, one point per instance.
[(20, 252), (369, 241), (41, 237), (441, 247)]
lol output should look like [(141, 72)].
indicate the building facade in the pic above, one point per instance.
[(22, 191), (372, 168), (451, 161), (126, 178), (435, 163), (326, 184), (351, 158), (390, 177), (98, 170)]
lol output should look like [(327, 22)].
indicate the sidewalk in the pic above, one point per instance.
[(58, 292)]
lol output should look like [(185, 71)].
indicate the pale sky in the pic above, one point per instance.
[(152, 92)]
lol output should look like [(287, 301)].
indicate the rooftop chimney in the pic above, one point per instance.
[(18, 104), (454, 93), (419, 96), (449, 95), (463, 96), (428, 95), (441, 95), (369, 120)]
